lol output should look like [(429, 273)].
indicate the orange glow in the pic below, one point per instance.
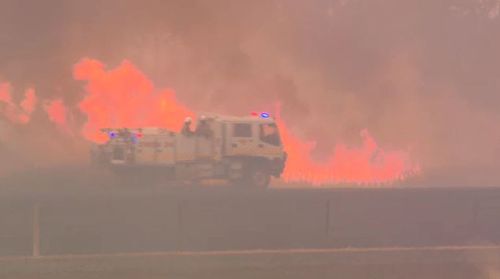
[(17, 113), (124, 97), (57, 113), (367, 164), (5, 93), (29, 102)]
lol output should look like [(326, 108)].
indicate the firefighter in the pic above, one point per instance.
[(203, 129), (186, 129)]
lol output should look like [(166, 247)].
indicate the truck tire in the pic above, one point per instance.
[(254, 177), (251, 174), (259, 178)]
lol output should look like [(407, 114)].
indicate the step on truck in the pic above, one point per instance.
[(246, 151)]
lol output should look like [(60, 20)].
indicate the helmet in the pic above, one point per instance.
[(187, 120)]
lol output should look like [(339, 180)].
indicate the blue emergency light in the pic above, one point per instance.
[(264, 115)]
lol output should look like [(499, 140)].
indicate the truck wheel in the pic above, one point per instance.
[(259, 179)]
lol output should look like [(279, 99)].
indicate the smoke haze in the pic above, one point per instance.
[(419, 75)]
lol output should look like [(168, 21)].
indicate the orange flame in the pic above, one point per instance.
[(17, 113), (29, 102), (57, 112), (124, 97), (367, 164)]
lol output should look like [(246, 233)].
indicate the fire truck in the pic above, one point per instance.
[(245, 151)]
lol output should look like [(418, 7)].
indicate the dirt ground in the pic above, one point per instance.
[(456, 263)]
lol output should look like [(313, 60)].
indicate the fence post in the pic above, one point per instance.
[(327, 219), (36, 230), (180, 225)]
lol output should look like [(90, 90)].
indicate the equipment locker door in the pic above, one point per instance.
[(185, 148)]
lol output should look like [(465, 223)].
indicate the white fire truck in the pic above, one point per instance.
[(244, 150)]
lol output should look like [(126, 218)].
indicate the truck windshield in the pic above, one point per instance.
[(269, 134)]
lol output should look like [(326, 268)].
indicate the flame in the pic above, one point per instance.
[(5, 96), (17, 113), (29, 102), (124, 97), (57, 112), (367, 164)]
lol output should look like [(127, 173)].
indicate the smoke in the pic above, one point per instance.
[(419, 75), (125, 97), (17, 113), (24, 143)]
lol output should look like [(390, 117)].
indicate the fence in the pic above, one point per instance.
[(276, 219)]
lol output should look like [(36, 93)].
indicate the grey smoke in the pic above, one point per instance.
[(419, 75)]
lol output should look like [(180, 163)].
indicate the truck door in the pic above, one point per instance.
[(269, 140)]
